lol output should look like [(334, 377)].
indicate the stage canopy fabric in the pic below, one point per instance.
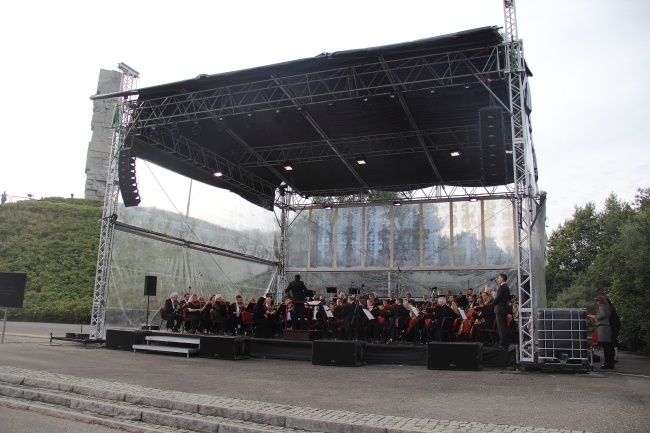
[(391, 118)]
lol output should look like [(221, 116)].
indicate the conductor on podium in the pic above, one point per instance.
[(297, 292)]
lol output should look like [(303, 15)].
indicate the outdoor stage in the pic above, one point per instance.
[(437, 355)]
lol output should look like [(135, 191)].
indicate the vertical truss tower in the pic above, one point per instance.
[(121, 119), (527, 197)]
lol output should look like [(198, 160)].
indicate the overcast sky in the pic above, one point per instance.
[(589, 58)]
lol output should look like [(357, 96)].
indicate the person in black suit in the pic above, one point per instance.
[(297, 292), (501, 310), (440, 313), (172, 309)]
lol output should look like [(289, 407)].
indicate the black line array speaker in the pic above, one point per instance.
[(493, 146), (150, 283), (224, 347), (124, 339), (126, 177), (342, 353), (454, 356)]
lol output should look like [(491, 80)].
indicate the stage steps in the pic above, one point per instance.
[(169, 344)]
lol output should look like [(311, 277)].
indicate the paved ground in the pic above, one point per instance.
[(611, 402)]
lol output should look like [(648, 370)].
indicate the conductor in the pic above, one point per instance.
[(297, 292)]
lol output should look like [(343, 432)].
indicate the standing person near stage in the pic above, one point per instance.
[(604, 329), (297, 292), (501, 310)]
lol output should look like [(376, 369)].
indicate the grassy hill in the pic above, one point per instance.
[(53, 240)]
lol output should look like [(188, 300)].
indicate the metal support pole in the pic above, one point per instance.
[(109, 215), (525, 186)]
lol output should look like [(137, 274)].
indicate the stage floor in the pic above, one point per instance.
[(277, 348)]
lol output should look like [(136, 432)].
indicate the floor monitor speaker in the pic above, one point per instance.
[(342, 353), (454, 356), (224, 347)]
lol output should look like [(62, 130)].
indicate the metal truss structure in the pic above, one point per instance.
[(109, 215), (527, 196), (454, 69)]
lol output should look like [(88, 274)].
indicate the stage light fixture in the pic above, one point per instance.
[(327, 207), (249, 121), (393, 104), (455, 153), (366, 105), (473, 199), (175, 131), (153, 134), (467, 85), (287, 166), (217, 173), (299, 115), (331, 109), (221, 124), (361, 160), (397, 203), (196, 128), (278, 116)]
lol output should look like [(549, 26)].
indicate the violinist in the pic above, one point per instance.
[(235, 312), (199, 322), (440, 313), (262, 326), (350, 310), (220, 314), (425, 303), (471, 303), (272, 316), (399, 316), (374, 327), (172, 313), (485, 317)]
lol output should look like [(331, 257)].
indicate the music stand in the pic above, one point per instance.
[(331, 290)]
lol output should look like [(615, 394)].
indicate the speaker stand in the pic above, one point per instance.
[(146, 326)]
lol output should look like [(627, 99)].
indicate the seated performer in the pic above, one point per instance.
[(485, 317), (441, 312), (374, 327), (262, 327), (235, 312), (198, 321), (172, 313)]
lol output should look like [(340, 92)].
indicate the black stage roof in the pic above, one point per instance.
[(402, 108)]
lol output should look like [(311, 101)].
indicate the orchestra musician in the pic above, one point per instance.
[(198, 321), (262, 326), (272, 316), (172, 313), (374, 327), (235, 311), (399, 316), (440, 313), (221, 322), (485, 317)]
